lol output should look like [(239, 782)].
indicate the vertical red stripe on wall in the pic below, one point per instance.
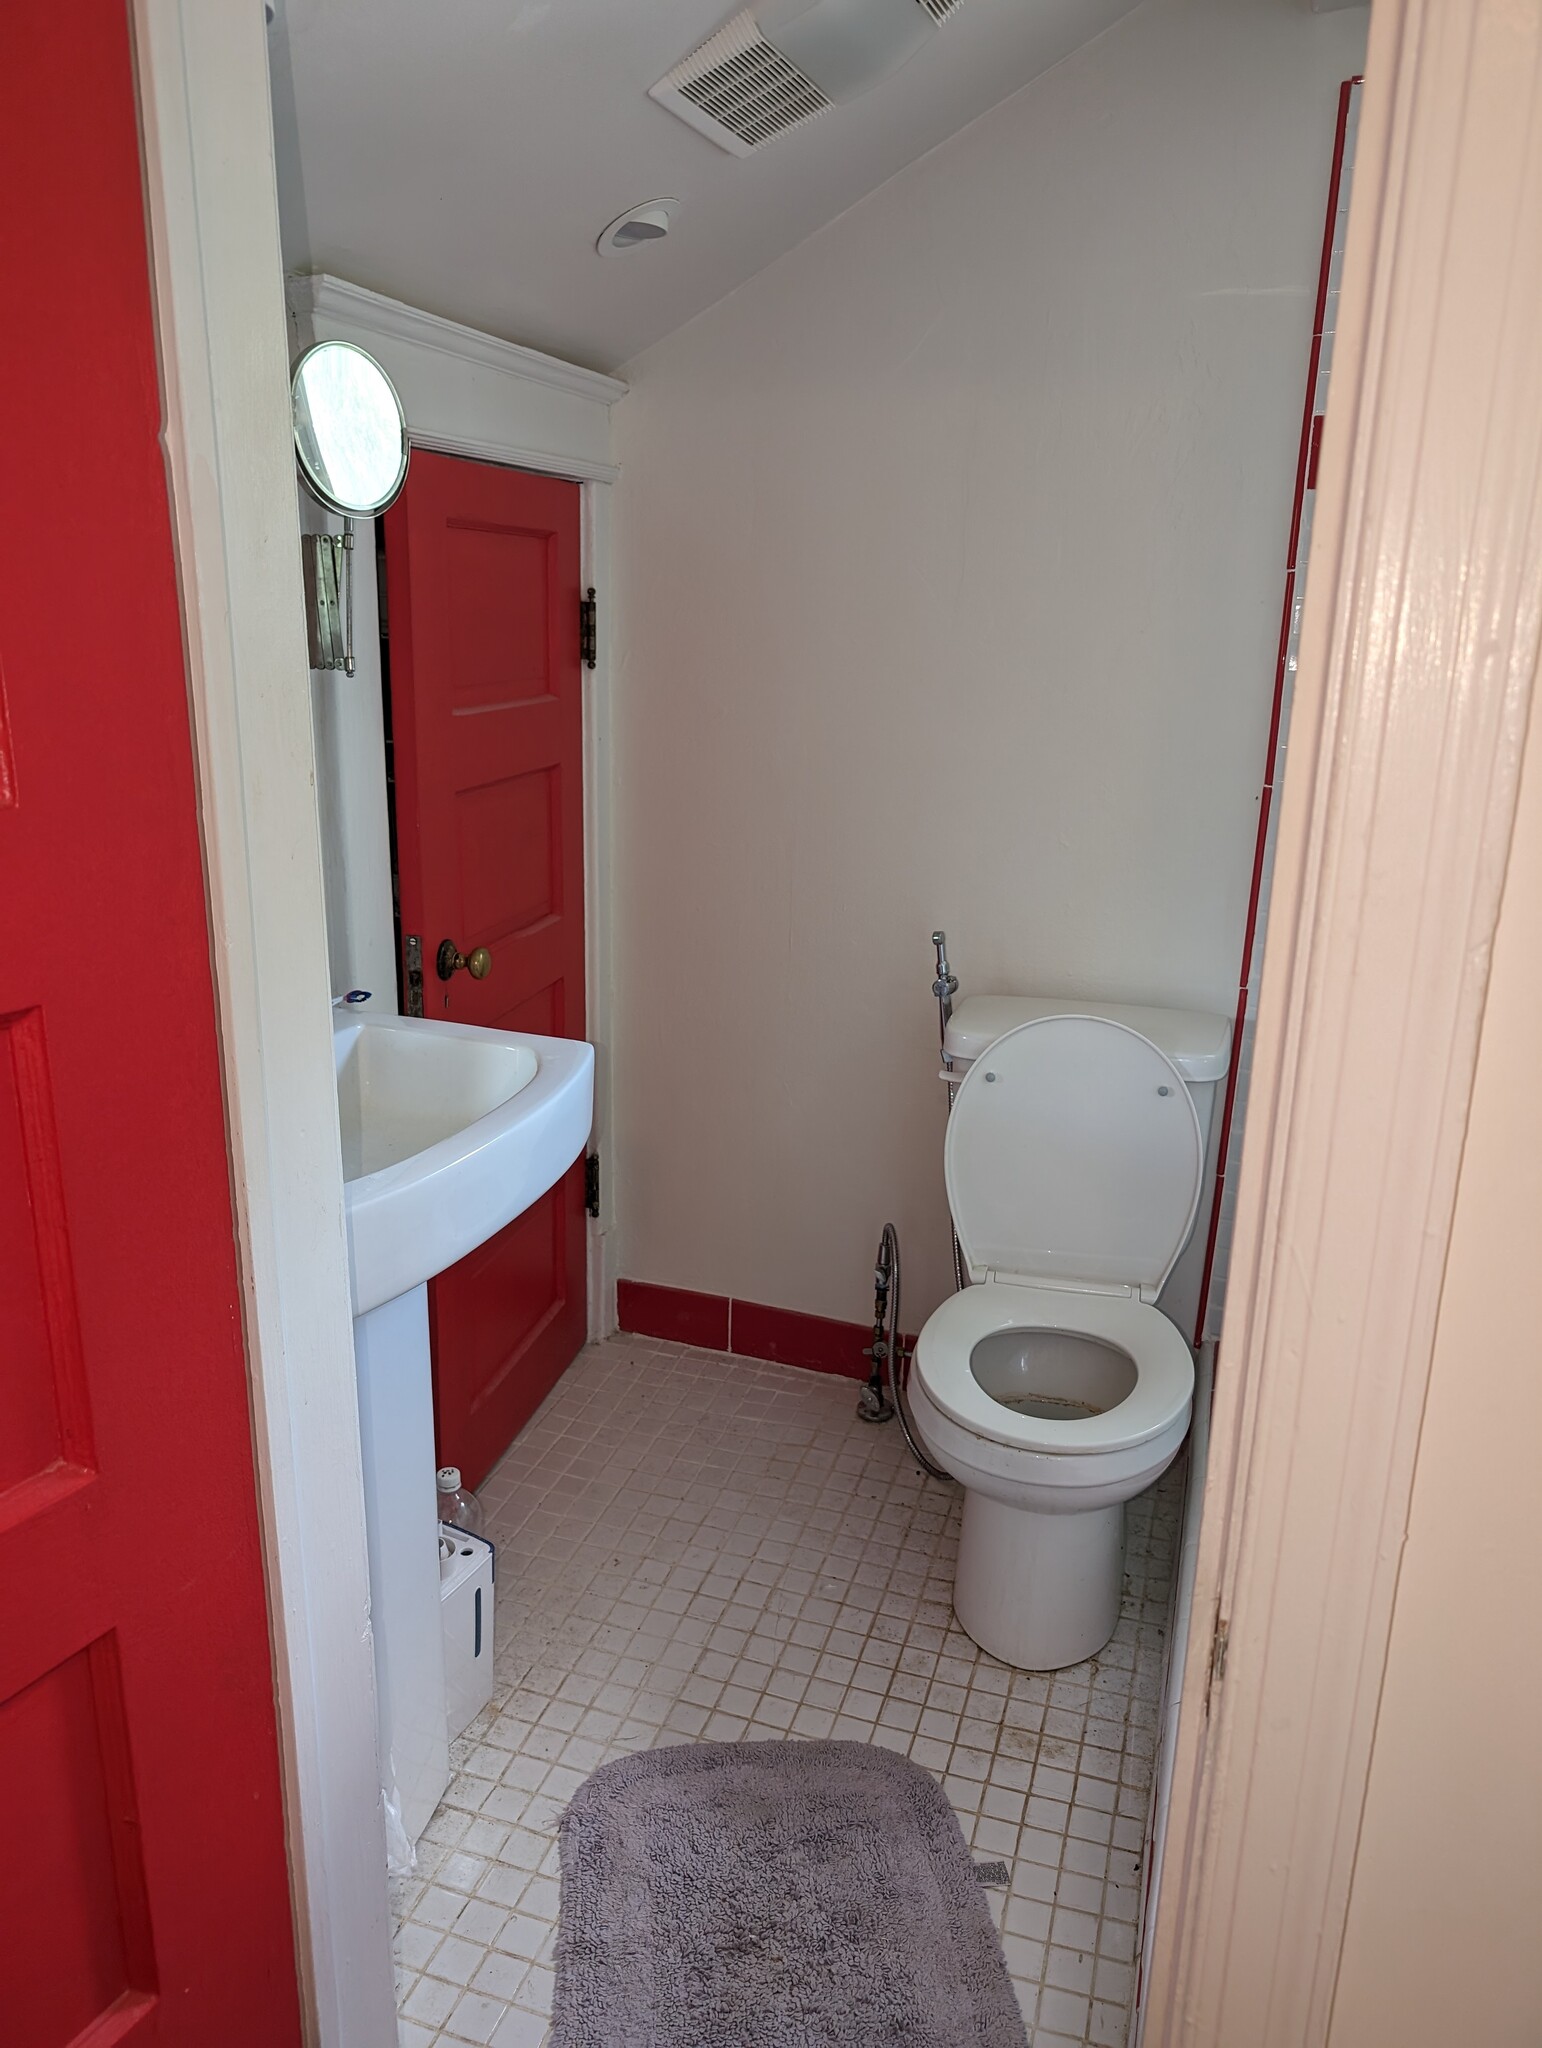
[(1306, 479)]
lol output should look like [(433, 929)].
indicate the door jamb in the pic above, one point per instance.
[(1419, 652), (206, 129), (206, 126)]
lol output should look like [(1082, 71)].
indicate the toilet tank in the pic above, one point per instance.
[(1199, 1046), (1197, 1043)]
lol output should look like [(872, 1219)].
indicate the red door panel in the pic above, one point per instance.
[(482, 572), (144, 1888)]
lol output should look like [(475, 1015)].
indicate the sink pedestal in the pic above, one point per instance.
[(448, 1133), (396, 1421)]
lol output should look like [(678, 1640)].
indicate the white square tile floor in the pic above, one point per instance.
[(693, 1548)]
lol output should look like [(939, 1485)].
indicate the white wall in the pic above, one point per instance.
[(950, 555)]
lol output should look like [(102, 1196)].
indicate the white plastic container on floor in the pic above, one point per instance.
[(458, 1505), (466, 1609)]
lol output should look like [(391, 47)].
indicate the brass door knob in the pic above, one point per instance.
[(477, 963)]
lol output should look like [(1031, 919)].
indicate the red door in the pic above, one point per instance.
[(144, 1890), (482, 570)]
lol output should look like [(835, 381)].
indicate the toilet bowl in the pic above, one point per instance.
[(1051, 1387)]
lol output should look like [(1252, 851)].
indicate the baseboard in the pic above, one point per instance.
[(748, 1329), (674, 1313), (793, 1338)]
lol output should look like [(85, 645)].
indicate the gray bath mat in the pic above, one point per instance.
[(773, 1895)]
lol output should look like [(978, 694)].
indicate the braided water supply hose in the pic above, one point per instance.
[(891, 1362)]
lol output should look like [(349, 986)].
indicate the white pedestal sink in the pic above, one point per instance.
[(449, 1133)]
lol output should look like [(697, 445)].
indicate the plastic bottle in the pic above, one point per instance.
[(458, 1505)]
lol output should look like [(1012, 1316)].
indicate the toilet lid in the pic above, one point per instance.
[(1074, 1156)]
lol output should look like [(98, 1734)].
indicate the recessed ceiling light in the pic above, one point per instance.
[(638, 226)]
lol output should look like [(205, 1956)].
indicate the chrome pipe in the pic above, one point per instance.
[(945, 988)]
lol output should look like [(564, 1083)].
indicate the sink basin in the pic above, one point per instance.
[(449, 1132)]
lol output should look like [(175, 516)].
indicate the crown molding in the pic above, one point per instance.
[(333, 300)]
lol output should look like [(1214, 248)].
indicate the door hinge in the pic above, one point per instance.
[(1219, 1643), (592, 1183), (588, 629), (412, 950)]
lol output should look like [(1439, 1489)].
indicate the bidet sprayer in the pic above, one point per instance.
[(945, 987)]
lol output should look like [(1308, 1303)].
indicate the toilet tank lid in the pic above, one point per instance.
[(1197, 1042)]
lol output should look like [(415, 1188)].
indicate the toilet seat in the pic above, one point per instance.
[(1164, 1365)]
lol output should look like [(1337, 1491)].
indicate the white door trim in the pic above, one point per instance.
[(202, 70), (1419, 651), (545, 461), (472, 394)]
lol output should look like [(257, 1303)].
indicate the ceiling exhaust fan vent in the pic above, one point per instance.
[(739, 90), (750, 82)]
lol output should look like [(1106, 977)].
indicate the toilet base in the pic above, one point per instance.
[(1039, 1591)]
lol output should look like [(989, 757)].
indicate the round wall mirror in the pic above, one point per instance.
[(349, 431)]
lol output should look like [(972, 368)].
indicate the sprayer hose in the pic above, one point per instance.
[(888, 1254)]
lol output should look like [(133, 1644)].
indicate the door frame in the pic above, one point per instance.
[(1227, 1895), (1407, 735), (213, 228), (471, 394)]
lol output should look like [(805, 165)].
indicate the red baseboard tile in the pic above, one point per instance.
[(748, 1329), (673, 1313), (790, 1337)]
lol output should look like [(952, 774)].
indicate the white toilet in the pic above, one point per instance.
[(1052, 1388)]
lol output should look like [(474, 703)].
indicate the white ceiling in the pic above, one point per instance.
[(464, 154)]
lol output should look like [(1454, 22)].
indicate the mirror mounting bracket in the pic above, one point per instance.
[(327, 560)]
